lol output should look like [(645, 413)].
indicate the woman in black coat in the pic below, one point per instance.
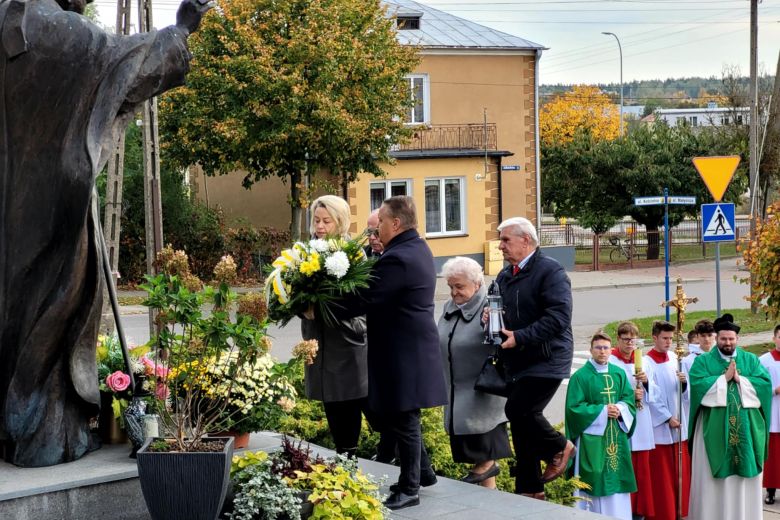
[(338, 377)]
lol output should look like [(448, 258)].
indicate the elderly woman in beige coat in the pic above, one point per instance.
[(339, 375), (474, 420)]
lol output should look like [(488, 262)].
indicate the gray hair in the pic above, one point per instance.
[(403, 208), (462, 265), (520, 226)]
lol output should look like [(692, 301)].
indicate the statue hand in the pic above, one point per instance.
[(190, 13)]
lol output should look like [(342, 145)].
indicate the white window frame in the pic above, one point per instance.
[(442, 204), (426, 98), (387, 183)]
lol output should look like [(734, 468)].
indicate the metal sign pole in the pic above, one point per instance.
[(717, 277), (666, 246)]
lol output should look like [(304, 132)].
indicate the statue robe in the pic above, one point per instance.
[(603, 458), (729, 432), (66, 89)]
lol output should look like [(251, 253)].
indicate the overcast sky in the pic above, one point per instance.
[(660, 38)]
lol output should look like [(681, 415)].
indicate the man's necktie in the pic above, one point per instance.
[(515, 269)]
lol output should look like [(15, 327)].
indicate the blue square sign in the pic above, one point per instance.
[(717, 222)]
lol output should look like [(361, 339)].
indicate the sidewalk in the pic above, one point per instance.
[(588, 280)]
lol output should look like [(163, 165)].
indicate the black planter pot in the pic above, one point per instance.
[(184, 486)]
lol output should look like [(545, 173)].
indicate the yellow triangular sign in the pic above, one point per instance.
[(716, 172)]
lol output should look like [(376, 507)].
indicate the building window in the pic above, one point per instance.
[(419, 112), (444, 206), (739, 119), (408, 23), (694, 121), (382, 190), (724, 120)]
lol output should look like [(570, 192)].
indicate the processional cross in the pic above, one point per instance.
[(680, 302)]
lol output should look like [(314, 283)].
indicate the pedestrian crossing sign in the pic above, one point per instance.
[(717, 222)]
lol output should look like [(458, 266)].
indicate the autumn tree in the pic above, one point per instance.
[(583, 108), (289, 89), (762, 259)]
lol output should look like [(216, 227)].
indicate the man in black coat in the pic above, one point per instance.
[(537, 353), (405, 372)]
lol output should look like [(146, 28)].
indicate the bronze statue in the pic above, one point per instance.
[(67, 88)]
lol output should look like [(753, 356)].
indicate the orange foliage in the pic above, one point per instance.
[(583, 107), (762, 258)]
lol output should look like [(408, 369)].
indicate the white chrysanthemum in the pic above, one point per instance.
[(318, 245), (337, 264)]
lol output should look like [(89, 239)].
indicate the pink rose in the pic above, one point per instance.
[(154, 368), (118, 381), (162, 391)]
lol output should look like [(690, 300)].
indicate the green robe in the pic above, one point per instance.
[(604, 460), (736, 438)]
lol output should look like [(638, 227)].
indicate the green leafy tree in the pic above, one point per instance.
[(289, 89), (596, 181)]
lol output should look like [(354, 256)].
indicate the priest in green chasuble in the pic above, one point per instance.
[(731, 397), (600, 414)]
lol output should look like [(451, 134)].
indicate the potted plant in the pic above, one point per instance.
[(202, 362), (292, 484)]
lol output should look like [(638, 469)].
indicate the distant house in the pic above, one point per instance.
[(474, 157), (632, 112), (711, 115)]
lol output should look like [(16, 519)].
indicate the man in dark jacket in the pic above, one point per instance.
[(405, 371), (537, 353)]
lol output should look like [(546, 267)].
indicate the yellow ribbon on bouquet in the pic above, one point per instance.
[(288, 258)]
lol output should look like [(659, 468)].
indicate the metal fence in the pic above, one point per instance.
[(476, 136), (629, 244)]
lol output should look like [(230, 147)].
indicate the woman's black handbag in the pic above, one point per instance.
[(491, 378)]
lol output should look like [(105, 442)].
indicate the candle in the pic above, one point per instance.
[(151, 427), (638, 358)]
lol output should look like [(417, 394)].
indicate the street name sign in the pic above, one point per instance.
[(716, 172), (648, 201), (510, 167), (717, 222), (677, 199)]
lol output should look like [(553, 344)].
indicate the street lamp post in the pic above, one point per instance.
[(620, 49)]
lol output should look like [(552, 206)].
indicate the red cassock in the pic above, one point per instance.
[(663, 460), (772, 464), (642, 498)]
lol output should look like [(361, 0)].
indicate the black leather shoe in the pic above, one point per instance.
[(400, 500), (426, 480), (476, 478)]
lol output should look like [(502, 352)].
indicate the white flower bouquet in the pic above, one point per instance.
[(315, 274), (252, 395)]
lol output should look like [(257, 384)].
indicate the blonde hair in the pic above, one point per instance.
[(337, 208)]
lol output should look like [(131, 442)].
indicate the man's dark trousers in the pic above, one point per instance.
[(533, 437), (412, 455)]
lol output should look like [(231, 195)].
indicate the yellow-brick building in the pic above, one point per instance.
[(474, 158)]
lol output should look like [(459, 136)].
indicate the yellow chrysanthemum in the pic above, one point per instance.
[(310, 266)]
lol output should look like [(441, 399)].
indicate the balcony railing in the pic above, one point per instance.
[(477, 136)]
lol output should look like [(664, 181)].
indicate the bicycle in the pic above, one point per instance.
[(623, 249)]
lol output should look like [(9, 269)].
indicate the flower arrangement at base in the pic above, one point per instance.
[(216, 368), (315, 274), (113, 377), (269, 487), (255, 397)]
